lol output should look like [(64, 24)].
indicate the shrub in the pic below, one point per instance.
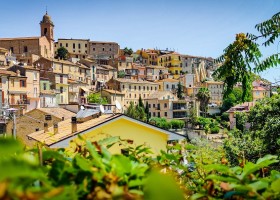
[(214, 129), (177, 124)]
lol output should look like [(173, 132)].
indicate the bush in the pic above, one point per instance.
[(214, 129), (177, 124), (225, 116)]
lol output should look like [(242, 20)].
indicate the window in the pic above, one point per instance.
[(165, 114), (93, 49), (149, 105), (129, 95), (154, 105), (134, 95), (167, 86), (165, 105), (44, 86), (158, 114), (135, 87), (139, 87), (154, 114), (66, 45), (45, 31), (35, 76), (103, 49), (110, 49), (12, 49), (61, 89), (25, 49), (123, 87), (61, 99), (74, 46), (79, 46), (60, 44), (61, 78), (13, 82), (85, 45), (129, 87), (85, 51), (22, 83)]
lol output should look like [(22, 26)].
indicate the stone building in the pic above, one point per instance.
[(101, 50), (27, 49)]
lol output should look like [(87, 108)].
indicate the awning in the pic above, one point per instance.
[(85, 89), (17, 92)]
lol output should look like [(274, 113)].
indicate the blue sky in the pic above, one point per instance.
[(196, 27)]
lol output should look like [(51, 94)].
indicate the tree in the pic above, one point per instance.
[(62, 53), (121, 74), (242, 57), (234, 98), (203, 97), (147, 111), (127, 51), (96, 98), (179, 90), (136, 112)]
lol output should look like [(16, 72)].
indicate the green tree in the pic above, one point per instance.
[(140, 103), (147, 111), (62, 53), (203, 97), (179, 90), (121, 74), (96, 98), (242, 57), (127, 51), (136, 112)]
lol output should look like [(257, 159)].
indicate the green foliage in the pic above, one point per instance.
[(242, 57), (147, 111), (245, 182), (136, 112), (62, 53), (177, 124), (214, 130), (96, 98), (160, 122), (127, 51), (234, 98), (121, 74), (180, 90), (203, 97), (241, 119)]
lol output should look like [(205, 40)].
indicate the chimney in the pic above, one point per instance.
[(74, 124), (55, 128), (46, 128)]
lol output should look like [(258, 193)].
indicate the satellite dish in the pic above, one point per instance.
[(82, 107), (118, 105), (101, 108)]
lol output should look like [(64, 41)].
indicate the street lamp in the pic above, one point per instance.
[(14, 110)]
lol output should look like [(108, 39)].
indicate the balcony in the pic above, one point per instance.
[(20, 102)]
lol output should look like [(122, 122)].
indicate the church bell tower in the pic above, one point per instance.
[(47, 27)]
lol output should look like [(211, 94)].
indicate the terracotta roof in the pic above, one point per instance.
[(72, 39), (31, 67), (103, 42), (58, 112), (159, 94), (21, 38), (60, 61), (168, 80), (5, 72), (113, 91), (258, 88), (123, 80), (64, 130)]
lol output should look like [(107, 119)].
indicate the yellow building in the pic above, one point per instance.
[(149, 56), (133, 131), (260, 93), (173, 61)]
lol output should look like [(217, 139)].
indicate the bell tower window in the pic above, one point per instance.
[(45, 31)]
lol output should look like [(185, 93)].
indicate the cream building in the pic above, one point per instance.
[(77, 48), (132, 89)]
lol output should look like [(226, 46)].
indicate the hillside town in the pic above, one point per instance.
[(95, 106), (41, 76)]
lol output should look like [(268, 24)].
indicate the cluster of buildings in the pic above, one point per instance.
[(33, 77)]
